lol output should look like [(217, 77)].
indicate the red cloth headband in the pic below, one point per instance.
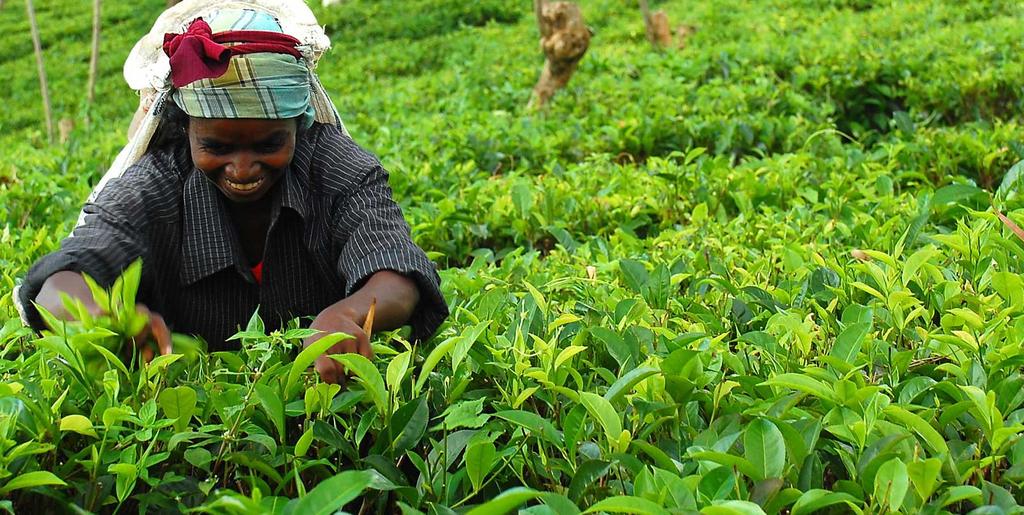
[(198, 52)]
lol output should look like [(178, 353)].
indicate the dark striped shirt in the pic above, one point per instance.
[(333, 225)]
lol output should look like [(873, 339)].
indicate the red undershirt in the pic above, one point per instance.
[(257, 272)]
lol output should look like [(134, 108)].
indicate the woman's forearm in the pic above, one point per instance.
[(67, 283), (396, 299)]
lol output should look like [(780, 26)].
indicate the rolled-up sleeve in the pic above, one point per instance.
[(374, 236), (111, 235)]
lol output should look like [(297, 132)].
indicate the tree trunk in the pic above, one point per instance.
[(662, 37), (94, 59), (538, 6), (38, 44), (564, 37), (656, 26), (172, 2), (648, 27)]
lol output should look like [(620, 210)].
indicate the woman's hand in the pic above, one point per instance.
[(155, 328), (392, 299), (73, 285), (338, 319)]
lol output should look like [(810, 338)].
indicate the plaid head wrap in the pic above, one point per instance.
[(240, 65)]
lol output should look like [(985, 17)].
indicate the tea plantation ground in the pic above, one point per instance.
[(774, 271)]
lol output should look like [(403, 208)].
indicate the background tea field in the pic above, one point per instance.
[(764, 273)]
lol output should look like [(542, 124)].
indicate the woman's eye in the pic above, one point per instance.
[(269, 148), (215, 149)]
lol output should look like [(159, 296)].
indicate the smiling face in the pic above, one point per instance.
[(244, 157)]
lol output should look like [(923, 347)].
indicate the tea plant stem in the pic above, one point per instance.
[(444, 462), (622, 482), (299, 487), (230, 434), (365, 507), (94, 492)]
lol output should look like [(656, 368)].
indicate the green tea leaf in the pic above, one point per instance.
[(635, 274), (567, 353), (916, 261), (480, 459), (559, 504), (765, 448), (270, 401), (729, 460), (626, 504), (891, 483), (849, 342), (803, 383), (303, 443), (508, 500), (465, 414), (160, 363), (307, 357), (604, 413), (522, 197), (32, 480), (432, 360), (958, 194), (925, 475), (904, 123), (1010, 287), (720, 507), (537, 425), (588, 472), (78, 424), (397, 368), (368, 375), (660, 458), (816, 499), (537, 296), (111, 358), (625, 384), (928, 434), (408, 425), (983, 408), (179, 404), (331, 494), (961, 493)]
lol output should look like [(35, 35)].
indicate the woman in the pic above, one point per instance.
[(244, 201)]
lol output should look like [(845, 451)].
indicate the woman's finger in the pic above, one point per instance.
[(329, 370), (363, 346), (147, 353), (342, 347), (147, 330), (161, 333)]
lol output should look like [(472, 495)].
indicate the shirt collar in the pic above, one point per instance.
[(295, 186), (294, 192), (209, 243)]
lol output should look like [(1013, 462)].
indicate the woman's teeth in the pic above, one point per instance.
[(244, 186)]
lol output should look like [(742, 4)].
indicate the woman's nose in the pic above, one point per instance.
[(241, 166)]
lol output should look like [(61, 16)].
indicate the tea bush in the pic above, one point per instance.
[(777, 271)]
